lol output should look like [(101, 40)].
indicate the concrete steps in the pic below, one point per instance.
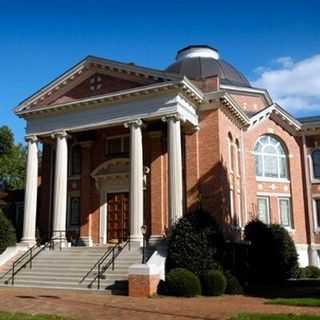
[(67, 268)]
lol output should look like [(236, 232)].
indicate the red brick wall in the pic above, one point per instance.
[(295, 188), (250, 103), (207, 174)]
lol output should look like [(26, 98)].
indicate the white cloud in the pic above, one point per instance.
[(294, 85), (285, 62)]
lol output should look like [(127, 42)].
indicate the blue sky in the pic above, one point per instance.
[(274, 43)]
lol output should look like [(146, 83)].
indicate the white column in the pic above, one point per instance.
[(30, 203), (175, 168), (136, 181), (60, 185)]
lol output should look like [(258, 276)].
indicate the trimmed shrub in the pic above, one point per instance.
[(182, 283), (195, 243), (272, 254), (309, 272), (233, 284), (7, 232), (214, 283)]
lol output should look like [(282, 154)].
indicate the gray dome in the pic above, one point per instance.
[(202, 62)]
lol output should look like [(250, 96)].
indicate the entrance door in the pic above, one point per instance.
[(118, 216)]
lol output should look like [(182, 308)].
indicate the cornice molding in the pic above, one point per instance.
[(183, 87)]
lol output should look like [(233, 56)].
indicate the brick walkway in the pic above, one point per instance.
[(89, 306)]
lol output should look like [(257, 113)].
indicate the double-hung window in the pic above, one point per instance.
[(263, 213), (285, 212)]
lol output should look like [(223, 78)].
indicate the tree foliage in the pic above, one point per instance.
[(196, 243), (7, 232), (12, 161), (272, 254)]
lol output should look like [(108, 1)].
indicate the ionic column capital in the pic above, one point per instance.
[(174, 117), (135, 123), (31, 138), (59, 134)]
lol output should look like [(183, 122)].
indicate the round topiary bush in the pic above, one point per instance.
[(195, 243), (214, 283), (233, 284), (182, 283), (272, 254), (7, 232)]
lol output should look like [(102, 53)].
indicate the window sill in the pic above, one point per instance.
[(262, 179), (289, 229), (315, 181)]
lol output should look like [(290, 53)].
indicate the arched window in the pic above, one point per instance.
[(271, 158), (316, 163)]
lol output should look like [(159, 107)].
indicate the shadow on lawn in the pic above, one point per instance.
[(287, 289)]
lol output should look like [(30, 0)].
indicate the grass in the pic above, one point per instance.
[(274, 317), (23, 316), (303, 302)]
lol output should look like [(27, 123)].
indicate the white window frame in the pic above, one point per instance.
[(268, 208), (121, 136), (291, 225), (310, 161), (315, 219), (285, 156)]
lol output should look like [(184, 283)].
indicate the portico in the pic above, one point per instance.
[(170, 108)]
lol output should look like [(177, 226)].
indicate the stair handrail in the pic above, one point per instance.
[(106, 254), (94, 266), (119, 247), (30, 253)]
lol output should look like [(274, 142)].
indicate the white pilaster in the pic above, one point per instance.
[(30, 204), (60, 185), (136, 181), (175, 168)]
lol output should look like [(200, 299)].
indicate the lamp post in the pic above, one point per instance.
[(144, 233)]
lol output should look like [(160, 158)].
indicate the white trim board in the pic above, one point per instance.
[(112, 114)]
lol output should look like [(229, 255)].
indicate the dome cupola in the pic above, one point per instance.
[(200, 62)]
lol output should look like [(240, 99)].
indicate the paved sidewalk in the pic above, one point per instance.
[(89, 306)]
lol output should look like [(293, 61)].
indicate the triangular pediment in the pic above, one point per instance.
[(95, 85), (93, 77), (279, 116)]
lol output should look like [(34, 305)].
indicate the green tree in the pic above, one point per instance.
[(12, 161)]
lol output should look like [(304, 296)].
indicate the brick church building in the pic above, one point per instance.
[(125, 146)]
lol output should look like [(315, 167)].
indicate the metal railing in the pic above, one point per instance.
[(115, 251), (27, 258), (104, 262)]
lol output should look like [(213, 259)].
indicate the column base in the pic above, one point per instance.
[(86, 241), (27, 242), (155, 239), (136, 240)]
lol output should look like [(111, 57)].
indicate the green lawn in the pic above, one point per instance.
[(305, 302), (23, 316), (273, 317)]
